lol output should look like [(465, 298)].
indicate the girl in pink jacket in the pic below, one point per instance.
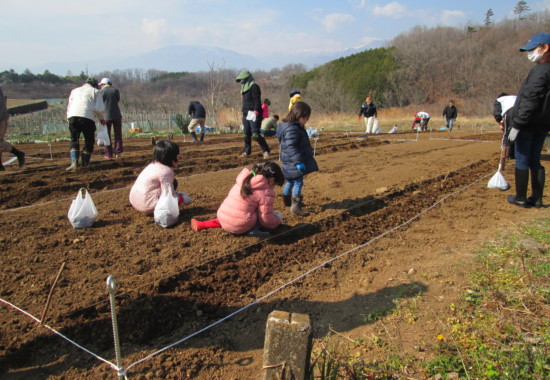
[(146, 191), (249, 205)]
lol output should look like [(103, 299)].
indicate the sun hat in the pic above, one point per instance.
[(535, 41), (105, 81)]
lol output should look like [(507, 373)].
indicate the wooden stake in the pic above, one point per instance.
[(50, 295)]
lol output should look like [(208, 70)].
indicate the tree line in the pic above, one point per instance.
[(423, 66)]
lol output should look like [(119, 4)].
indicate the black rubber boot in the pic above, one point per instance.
[(86, 158), (202, 136), (20, 156), (74, 160), (296, 206), (194, 137), (287, 200), (537, 187), (522, 180)]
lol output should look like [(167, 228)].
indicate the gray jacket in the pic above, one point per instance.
[(111, 97)]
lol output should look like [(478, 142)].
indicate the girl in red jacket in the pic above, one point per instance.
[(249, 205)]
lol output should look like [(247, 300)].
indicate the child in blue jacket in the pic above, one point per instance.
[(296, 155)]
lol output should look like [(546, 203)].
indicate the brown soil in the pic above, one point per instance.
[(174, 282)]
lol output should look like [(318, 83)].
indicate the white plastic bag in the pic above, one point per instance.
[(251, 116), (82, 213), (498, 181), (376, 127), (103, 137), (167, 211)]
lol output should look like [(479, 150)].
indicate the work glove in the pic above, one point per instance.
[(301, 167), (513, 134)]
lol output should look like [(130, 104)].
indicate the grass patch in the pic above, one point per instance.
[(498, 330)]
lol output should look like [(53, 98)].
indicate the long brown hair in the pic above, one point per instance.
[(268, 169)]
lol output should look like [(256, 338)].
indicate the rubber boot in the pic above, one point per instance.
[(522, 180), (198, 225), (20, 156), (194, 137), (202, 136), (296, 206), (287, 200), (86, 158), (74, 160), (537, 187)]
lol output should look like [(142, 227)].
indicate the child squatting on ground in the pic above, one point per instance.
[(296, 155), (249, 204), (146, 191)]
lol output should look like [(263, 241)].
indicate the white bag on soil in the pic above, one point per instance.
[(498, 182), (167, 211), (103, 137), (82, 213)]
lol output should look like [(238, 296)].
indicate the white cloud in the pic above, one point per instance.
[(393, 10), (335, 20), (451, 18), (154, 27)]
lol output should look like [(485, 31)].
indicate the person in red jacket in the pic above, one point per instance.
[(249, 204)]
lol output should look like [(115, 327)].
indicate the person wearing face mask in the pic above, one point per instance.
[(530, 121)]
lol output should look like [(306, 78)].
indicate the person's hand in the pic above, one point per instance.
[(185, 198), (301, 167), (278, 215), (256, 112), (513, 134), (103, 122)]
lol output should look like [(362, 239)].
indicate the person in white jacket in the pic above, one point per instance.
[(85, 104)]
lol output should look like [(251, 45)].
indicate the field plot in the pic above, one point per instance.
[(175, 282)]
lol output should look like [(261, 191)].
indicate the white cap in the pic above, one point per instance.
[(105, 81)]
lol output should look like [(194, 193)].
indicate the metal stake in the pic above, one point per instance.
[(111, 288)]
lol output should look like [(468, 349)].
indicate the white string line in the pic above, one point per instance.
[(61, 335), (305, 274), (101, 192)]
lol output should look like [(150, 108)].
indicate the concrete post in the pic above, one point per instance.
[(287, 347)]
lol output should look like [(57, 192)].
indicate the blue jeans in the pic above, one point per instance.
[(268, 132), (449, 123), (293, 186), (528, 146)]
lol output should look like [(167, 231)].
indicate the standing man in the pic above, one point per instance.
[(368, 110), (4, 145), (198, 116), (530, 122), (113, 117), (252, 113), (450, 114), (85, 103)]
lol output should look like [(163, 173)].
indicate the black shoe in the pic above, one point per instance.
[(21, 158), (2, 168), (518, 201)]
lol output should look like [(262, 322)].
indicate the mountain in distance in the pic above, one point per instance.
[(192, 58)]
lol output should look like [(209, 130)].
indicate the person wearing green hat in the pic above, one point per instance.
[(85, 103), (252, 113)]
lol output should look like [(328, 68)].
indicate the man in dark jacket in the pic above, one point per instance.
[(530, 122), (198, 116), (450, 114), (113, 117), (252, 113), (368, 110)]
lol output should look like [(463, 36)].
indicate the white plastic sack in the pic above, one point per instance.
[(103, 137), (376, 127), (251, 116), (167, 211), (498, 182), (82, 213)]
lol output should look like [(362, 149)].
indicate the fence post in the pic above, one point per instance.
[(111, 288), (287, 347)]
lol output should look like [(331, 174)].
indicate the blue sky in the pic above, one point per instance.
[(37, 32)]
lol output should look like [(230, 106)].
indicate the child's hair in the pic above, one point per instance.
[(276, 117), (166, 152), (268, 169), (298, 110), (267, 101)]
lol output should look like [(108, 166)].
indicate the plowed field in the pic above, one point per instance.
[(174, 282)]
